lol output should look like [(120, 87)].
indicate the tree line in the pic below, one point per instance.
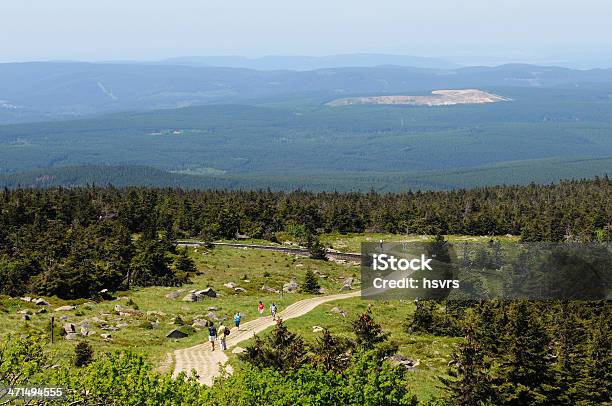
[(73, 242)]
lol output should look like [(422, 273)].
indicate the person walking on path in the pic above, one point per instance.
[(237, 318), (273, 311), (261, 308), (212, 334), (223, 333)]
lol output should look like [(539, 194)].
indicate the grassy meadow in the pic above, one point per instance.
[(154, 314)]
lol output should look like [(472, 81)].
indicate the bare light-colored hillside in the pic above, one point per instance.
[(437, 98)]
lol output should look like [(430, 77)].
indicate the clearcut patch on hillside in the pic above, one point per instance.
[(437, 98)]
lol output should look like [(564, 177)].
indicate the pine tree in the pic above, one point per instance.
[(525, 375), (368, 332), (83, 354), (472, 386), (595, 386), (332, 353), (570, 335), (281, 349), (311, 284), (316, 250)]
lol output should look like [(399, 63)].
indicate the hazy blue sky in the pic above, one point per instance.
[(531, 30)]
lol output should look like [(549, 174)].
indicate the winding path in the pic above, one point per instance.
[(207, 363)]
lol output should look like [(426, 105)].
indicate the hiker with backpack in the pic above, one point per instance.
[(261, 308), (273, 311), (237, 318), (212, 334), (223, 333)]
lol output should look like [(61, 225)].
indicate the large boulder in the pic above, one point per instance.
[(404, 361), (337, 310), (197, 295), (69, 328), (65, 308), (269, 289), (190, 297), (200, 324), (291, 286), (174, 295), (176, 333)]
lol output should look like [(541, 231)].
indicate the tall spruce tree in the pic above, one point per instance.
[(470, 382), (525, 375)]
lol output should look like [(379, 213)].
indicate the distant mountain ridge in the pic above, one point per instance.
[(44, 91), (301, 63)]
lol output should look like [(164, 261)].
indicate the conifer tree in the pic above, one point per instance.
[(525, 375), (595, 386), (368, 332), (311, 284), (472, 383)]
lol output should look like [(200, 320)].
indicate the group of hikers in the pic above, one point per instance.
[(223, 331)]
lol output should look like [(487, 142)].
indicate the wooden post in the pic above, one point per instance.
[(52, 329)]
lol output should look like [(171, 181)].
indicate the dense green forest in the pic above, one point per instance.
[(542, 135), (540, 171), (75, 242)]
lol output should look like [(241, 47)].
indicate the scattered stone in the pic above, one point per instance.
[(230, 285), (211, 308), (122, 325), (63, 318), (206, 292), (26, 299), (212, 316), (269, 289), (40, 302), (176, 333), (317, 329), (118, 308), (200, 323), (339, 311), (239, 290), (43, 310), (346, 287), (322, 290), (65, 308), (86, 331), (71, 336), (130, 313), (238, 350), (323, 276), (106, 336), (190, 297), (406, 362), (291, 287), (174, 295), (69, 328), (197, 295), (155, 313), (26, 317), (24, 311)]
